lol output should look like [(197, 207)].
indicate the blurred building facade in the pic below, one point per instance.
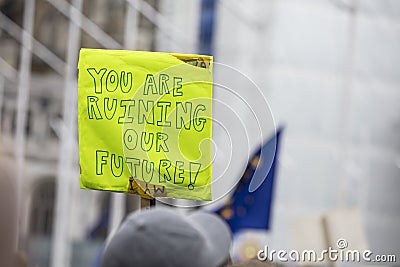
[(44, 121)]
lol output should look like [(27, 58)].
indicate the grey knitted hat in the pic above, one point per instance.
[(164, 237)]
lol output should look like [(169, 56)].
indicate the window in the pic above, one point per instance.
[(43, 208)]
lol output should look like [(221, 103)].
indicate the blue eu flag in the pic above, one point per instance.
[(250, 204)]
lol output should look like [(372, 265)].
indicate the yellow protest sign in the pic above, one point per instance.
[(145, 123)]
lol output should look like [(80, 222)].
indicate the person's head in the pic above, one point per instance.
[(7, 215), (164, 237)]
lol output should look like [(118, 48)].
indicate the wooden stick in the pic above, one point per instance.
[(144, 203)]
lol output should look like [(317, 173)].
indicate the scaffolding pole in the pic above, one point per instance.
[(8, 71), (61, 252), (167, 28), (72, 13), (22, 105), (117, 205)]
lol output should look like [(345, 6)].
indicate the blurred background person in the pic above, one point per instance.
[(7, 215), (201, 239)]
